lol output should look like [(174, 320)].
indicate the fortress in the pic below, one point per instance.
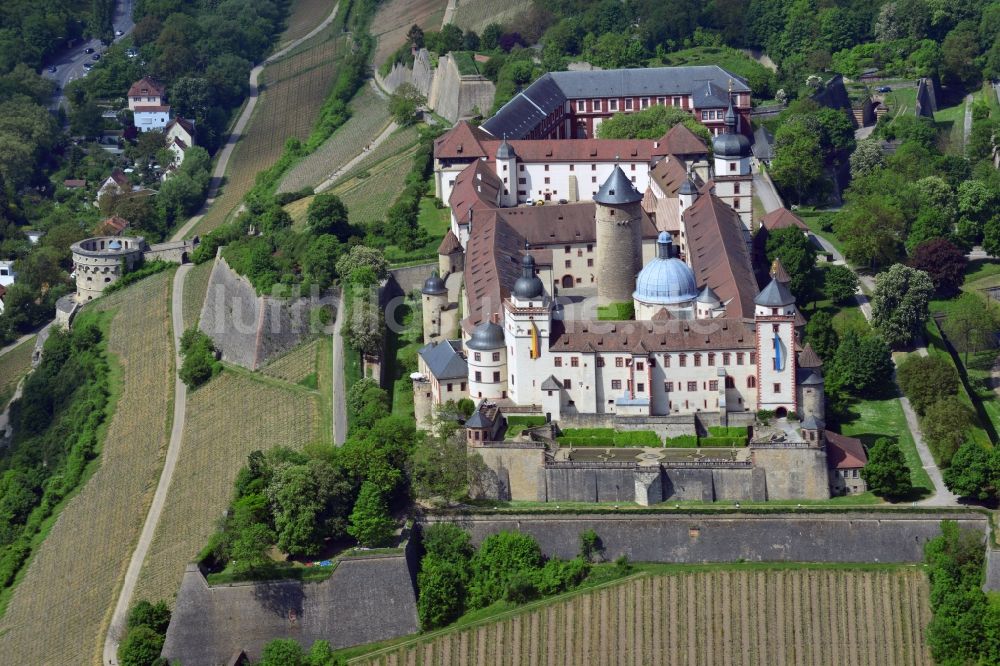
[(630, 304), (103, 260)]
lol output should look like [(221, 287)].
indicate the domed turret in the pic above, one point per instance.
[(731, 143), (506, 151), (663, 281), (486, 337), (528, 287), (434, 285)]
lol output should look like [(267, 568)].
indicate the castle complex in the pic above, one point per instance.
[(609, 284)]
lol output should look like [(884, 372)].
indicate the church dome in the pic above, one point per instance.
[(486, 337), (434, 285), (731, 145), (665, 280), (528, 286)]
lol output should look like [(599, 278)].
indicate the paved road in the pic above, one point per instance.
[(339, 400), (117, 628), (241, 123), (764, 189), (69, 63), (16, 343), (967, 129)]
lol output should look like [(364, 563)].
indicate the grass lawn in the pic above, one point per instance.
[(901, 100), (402, 349), (982, 274), (870, 420), (275, 571), (951, 123), (936, 347), (815, 221)]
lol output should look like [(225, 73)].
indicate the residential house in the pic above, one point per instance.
[(179, 135), (74, 183), (116, 183), (147, 102), (845, 458), (112, 226), (7, 274)]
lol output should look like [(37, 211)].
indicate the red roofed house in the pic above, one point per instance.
[(113, 226), (782, 218), (117, 183), (146, 100), (845, 457)]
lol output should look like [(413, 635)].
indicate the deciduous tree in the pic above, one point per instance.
[(371, 523), (972, 323), (972, 472), (840, 283), (945, 425), (926, 379), (886, 472), (899, 304), (943, 262)]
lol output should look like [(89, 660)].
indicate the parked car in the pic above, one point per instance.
[(96, 56), (88, 50), (52, 68), (87, 65), (118, 33), (885, 89)]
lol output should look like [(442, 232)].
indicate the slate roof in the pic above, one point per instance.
[(717, 252), (763, 144), (844, 452), (707, 84), (782, 218), (551, 384), (617, 190), (774, 295), (479, 420), (651, 336), (808, 358), (444, 360)]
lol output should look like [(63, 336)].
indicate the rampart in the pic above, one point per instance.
[(366, 599), (870, 536), (455, 96), (247, 328)]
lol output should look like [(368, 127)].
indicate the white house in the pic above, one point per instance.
[(179, 135), (116, 183), (7, 274), (147, 101)]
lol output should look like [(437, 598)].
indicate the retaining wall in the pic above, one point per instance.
[(692, 538)]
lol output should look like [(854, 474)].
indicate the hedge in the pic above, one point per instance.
[(682, 441), (522, 422), (723, 441), (728, 431)]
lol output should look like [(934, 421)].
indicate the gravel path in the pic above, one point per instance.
[(227, 151), (764, 189), (339, 395), (346, 167), (117, 628)]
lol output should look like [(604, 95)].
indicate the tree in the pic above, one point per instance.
[(972, 472), (442, 587), (798, 161), (651, 123), (500, 558), (872, 228), (404, 102), (614, 50), (945, 425), (591, 546), (440, 463), (86, 120), (926, 379), (930, 224), (886, 472), (283, 652), (867, 158), (490, 39), (943, 262), (840, 283), (899, 304), (371, 523), (958, 53), (991, 237), (367, 402), (821, 335), (155, 616), (362, 256), (451, 38), (327, 214), (860, 366), (200, 363), (971, 324), (798, 255), (141, 647), (304, 499), (415, 36)]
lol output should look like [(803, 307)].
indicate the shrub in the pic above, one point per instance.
[(501, 558), (591, 546), (147, 269), (886, 472), (927, 379), (681, 441), (141, 647), (155, 616), (200, 362)]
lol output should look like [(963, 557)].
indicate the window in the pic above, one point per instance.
[(477, 356), (616, 384), (619, 362), (574, 362), (557, 361), (711, 358), (652, 362), (572, 167), (640, 366), (713, 385), (682, 360), (590, 247), (666, 360), (662, 101), (777, 387), (593, 179), (569, 262), (633, 168), (449, 387), (520, 167), (612, 105), (590, 263), (581, 105), (640, 388), (479, 376), (597, 105), (739, 358), (463, 386), (522, 181), (732, 166), (566, 249), (730, 384), (496, 356), (600, 362), (753, 358), (668, 386), (736, 202), (628, 103), (736, 188), (692, 386), (593, 167), (546, 180), (704, 115), (697, 360), (678, 101), (644, 103), (579, 252), (504, 167), (546, 167), (496, 376), (751, 382), (567, 384), (854, 473)]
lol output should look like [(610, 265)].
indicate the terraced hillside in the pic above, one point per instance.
[(394, 19), (744, 617), (60, 609), (477, 14)]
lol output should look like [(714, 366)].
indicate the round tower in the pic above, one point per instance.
[(618, 217), (811, 396), (506, 160), (434, 298), (487, 359), (666, 281)]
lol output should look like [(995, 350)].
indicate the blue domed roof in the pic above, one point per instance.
[(115, 245), (665, 280), (485, 337)]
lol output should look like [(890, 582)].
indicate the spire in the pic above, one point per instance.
[(730, 114)]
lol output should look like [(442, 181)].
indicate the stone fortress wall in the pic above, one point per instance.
[(448, 92), (249, 329)]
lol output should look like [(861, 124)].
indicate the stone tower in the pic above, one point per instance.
[(733, 179), (507, 172), (528, 322), (619, 235), (774, 315), (434, 299)]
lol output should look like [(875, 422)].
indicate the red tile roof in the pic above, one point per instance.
[(183, 122), (492, 265), (578, 150), (717, 252), (844, 452), (113, 226), (808, 358), (782, 218), (73, 183), (121, 179), (146, 87), (660, 334), (449, 244), (679, 140), (476, 187), (461, 141)]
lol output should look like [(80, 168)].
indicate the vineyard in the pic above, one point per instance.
[(394, 19), (296, 365), (367, 199), (293, 90), (195, 288), (72, 582), (369, 116), (227, 419), (745, 617), (13, 366), (477, 14), (304, 16)]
